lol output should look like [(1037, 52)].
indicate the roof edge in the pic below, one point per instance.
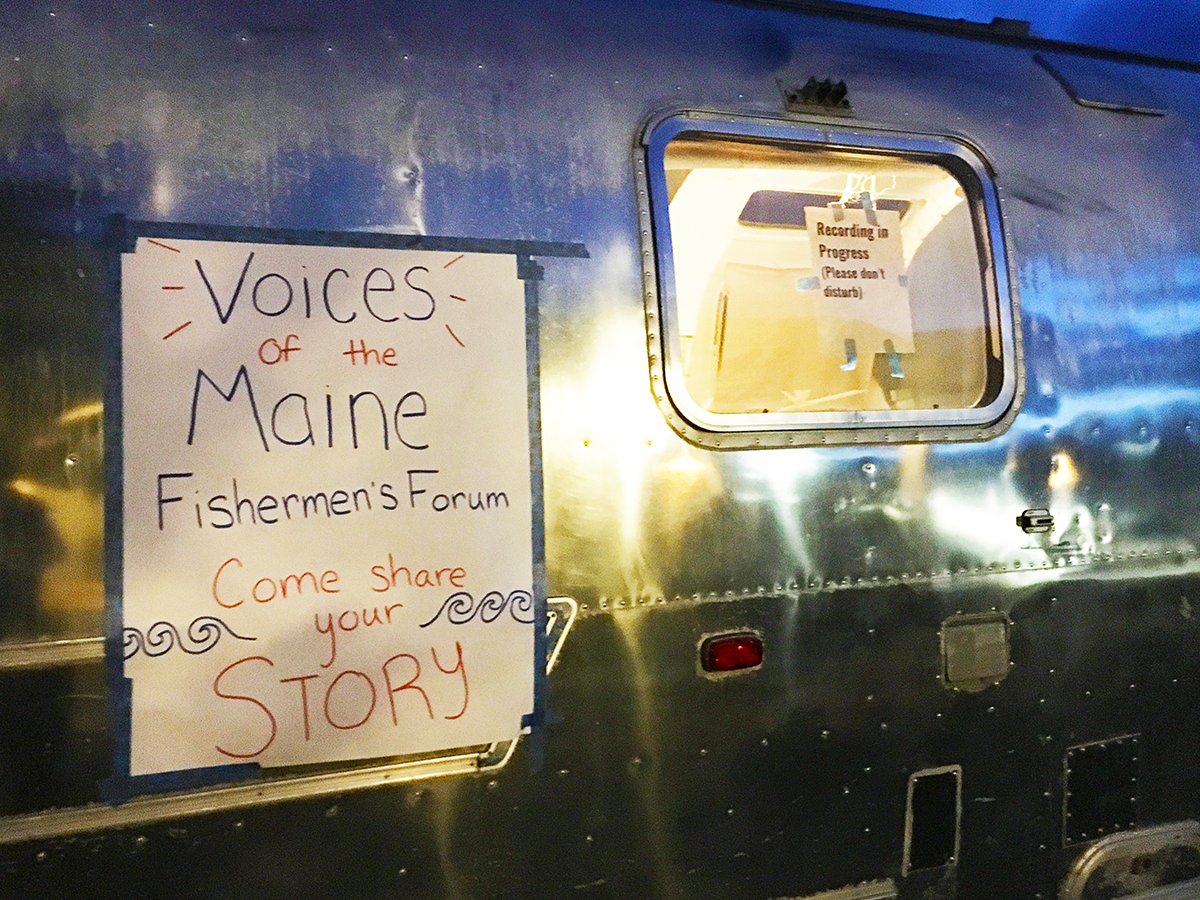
[(1011, 32)]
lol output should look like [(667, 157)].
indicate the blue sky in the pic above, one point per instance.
[(1160, 27)]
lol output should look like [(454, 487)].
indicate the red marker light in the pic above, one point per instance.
[(730, 652)]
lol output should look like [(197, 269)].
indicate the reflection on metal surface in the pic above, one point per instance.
[(82, 413), (45, 654), (1160, 863), (868, 890), (604, 443), (651, 791), (1063, 474)]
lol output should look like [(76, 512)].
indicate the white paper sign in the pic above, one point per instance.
[(327, 504), (860, 269)]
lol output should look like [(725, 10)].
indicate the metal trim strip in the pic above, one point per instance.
[(150, 810), (884, 889), (48, 654)]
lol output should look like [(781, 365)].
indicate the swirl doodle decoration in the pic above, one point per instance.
[(462, 608), (201, 636)]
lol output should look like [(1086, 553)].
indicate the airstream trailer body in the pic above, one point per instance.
[(681, 449)]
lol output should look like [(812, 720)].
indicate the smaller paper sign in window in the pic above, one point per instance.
[(806, 285), (859, 259)]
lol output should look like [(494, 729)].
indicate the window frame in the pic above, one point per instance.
[(962, 160)]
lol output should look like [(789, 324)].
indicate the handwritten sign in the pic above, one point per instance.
[(860, 276), (327, 503)]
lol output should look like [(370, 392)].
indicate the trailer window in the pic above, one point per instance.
[(807, 288)]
